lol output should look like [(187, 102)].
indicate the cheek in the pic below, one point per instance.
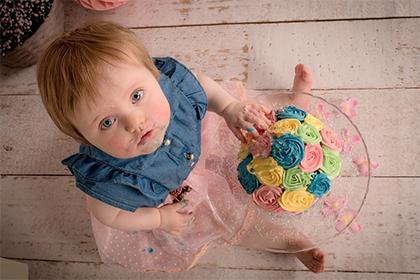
[(115, 143), (162, 111)]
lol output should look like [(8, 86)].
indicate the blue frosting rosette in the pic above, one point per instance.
[(297, 187), (320, 185), (248, 181), (291, 112), (288, 150)]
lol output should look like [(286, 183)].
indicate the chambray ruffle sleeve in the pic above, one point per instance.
[(107, 183), (186, 81)]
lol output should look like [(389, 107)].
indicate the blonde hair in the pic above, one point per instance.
[(69, 69)]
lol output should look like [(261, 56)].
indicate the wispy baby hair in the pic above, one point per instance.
[(69, 69)]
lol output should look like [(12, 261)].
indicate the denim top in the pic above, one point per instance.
[(146, 180)]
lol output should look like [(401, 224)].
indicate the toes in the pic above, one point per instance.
[(316, 267), (298, 69), (318, 255)]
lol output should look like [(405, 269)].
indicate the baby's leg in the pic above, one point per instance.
[(302, 82), (271, 237)]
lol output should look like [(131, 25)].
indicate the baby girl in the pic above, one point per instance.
[(145, 136)]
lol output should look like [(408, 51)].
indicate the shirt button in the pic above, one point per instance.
[(189, 156), (167, 142)]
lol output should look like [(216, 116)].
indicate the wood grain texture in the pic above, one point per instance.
[(150, 13), (29, 131), (43, 270), (349, 54), (57, 228), (364, 49)]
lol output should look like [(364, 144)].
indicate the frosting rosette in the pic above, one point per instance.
[(243, 151), (291, 112), (261, 147), (320, 185), (248, 181), (285, 126), (289, 165), (296, 201), (267, 171), (294, 179), (315, 122), (312, 159), (288, 150), (331, 164), (331, 140), (267, 198), (309, 134)]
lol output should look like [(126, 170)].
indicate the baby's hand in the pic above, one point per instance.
[(246, 116), (172, 221)]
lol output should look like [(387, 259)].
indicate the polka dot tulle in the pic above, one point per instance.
[(225, 214), (219, 204)]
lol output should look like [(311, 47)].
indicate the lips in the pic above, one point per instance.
[(145, 136)]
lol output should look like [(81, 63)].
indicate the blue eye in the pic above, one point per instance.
[(107, 123), (137, 95)]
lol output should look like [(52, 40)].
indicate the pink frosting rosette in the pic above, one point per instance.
[(261, 147), (312, 159), (266, 197), (331, 140)]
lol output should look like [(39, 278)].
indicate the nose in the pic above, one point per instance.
[(135, 122)]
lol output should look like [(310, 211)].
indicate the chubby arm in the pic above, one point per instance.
[(145, 218), (141, 219), (218, 98), (238, 115)]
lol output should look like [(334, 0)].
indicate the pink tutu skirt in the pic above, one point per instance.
[(220, 205)]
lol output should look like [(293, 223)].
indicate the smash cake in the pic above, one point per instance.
[(289, 166)]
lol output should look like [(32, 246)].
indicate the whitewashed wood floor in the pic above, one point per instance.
[(366, 49)]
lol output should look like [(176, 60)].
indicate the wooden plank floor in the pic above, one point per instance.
[(369, 50)]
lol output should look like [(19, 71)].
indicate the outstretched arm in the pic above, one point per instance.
[(218, 97), (145, 218), (238, 115)]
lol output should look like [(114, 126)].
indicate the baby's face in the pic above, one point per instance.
[(130, 116)]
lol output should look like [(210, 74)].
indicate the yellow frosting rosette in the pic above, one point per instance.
[(296, 201), (243, 152), (310, 119), (267, 171), (285, 126)]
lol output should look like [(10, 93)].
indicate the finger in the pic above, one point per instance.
[(249, 127), (256, 120), (257, 115), (182, 204), (238, 134), (261, 113), (190, 220), (265, 109)]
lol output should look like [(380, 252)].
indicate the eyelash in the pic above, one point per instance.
[(140, 92)]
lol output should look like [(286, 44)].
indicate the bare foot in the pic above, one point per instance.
[(313, 259), (302, 83), (303, 79)]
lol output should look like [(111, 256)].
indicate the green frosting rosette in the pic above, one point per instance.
[(295, 178), (309, 134), (331, 164)]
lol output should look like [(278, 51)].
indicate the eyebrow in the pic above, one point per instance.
[(130, 91)]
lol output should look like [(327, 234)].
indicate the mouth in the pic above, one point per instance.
[(145, 136)]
